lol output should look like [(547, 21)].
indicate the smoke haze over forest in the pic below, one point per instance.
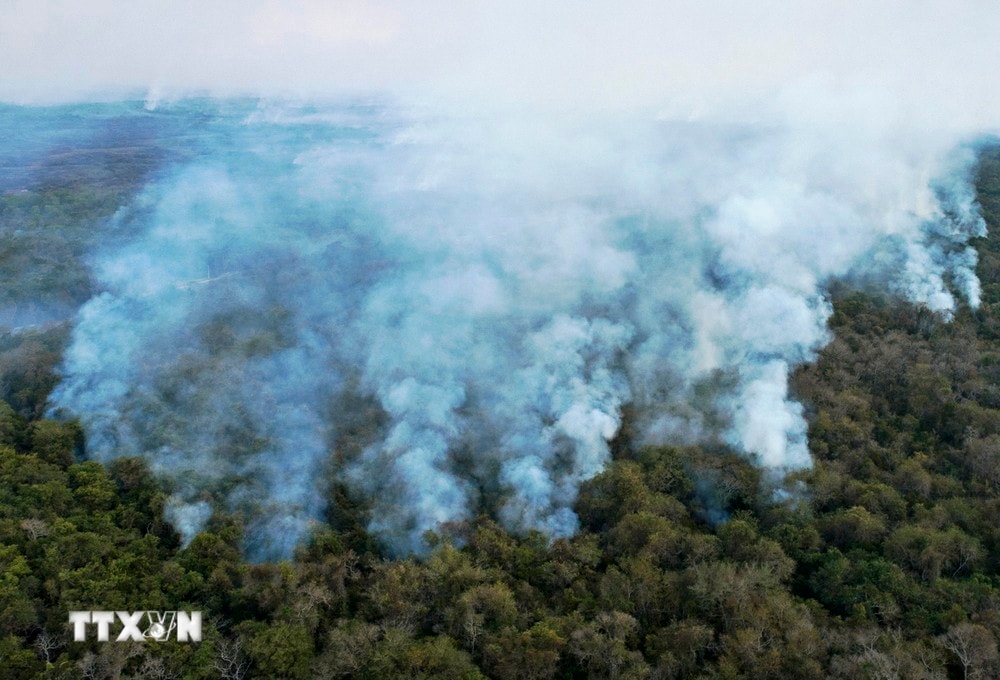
[(448, 314), (441, 278)]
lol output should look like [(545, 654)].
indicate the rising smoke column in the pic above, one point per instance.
[(500, 287), (564, 408), (211, 350)]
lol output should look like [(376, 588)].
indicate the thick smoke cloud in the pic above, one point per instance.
[(448, 312)]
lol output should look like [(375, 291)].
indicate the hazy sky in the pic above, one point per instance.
[(936, 59)]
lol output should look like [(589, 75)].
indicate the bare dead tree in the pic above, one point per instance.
[(230, 661), (974, 647), (89, 667), (35, 528), (47, 644), (155, 668)]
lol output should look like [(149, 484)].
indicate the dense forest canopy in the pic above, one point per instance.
[(880, 560)]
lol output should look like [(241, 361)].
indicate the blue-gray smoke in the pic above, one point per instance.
[(422, 306)]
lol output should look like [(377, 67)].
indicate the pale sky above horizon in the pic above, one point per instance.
[(931, 58)]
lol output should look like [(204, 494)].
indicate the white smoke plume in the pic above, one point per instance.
[(494, 289)]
